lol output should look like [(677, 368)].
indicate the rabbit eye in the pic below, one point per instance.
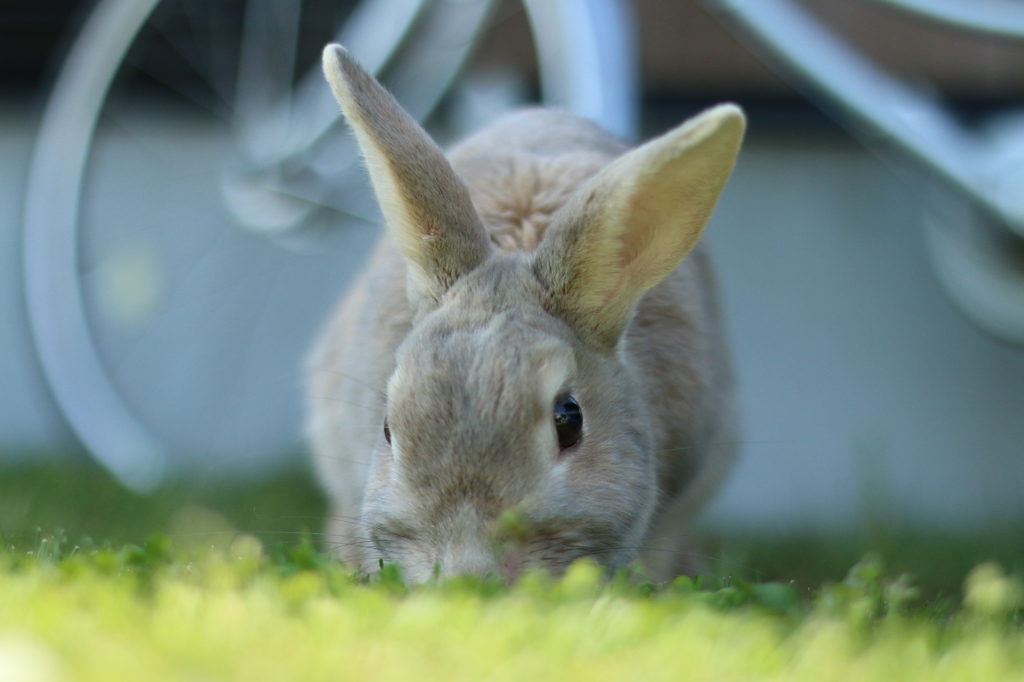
[(387, 431), (568, 421)]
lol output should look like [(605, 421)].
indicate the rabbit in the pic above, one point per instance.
[(527, 372)]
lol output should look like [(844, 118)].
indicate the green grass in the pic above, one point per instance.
[(938, 561), (246, 613), (232, 583)]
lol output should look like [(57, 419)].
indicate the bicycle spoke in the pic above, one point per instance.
[(186, 46), (374, 33), (115, 120), (266, 73), (209, 28), (189, 93)]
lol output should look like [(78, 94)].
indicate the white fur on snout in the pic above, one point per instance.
[(469, 558), (467, 550)]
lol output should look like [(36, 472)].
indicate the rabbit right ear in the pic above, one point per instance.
[(426, 206), (632, 224)]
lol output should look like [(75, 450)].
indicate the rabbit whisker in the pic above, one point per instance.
[(678, 552), (376, 389)]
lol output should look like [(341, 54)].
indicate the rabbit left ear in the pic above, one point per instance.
[(634, 222), (426, 206)]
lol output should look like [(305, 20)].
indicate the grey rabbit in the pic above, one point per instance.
[(528, 372)]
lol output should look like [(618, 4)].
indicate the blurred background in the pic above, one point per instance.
[(169, 247)]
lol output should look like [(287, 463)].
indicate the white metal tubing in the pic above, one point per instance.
[(266, 68), (997, 17), (372, 33), (375, 34), (908, 118), (81, 385), (418, 50), (984, 287), (588, 60)]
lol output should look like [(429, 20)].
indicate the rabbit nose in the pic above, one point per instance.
[(467, 559), (512, 567)]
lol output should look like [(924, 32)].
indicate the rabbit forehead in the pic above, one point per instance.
[(490, 333), (457, 366)]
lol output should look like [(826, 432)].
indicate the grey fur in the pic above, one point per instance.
[(542, 257)]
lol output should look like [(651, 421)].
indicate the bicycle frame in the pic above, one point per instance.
[(986, 281)]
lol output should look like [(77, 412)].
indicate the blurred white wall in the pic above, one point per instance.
[(860, 384)]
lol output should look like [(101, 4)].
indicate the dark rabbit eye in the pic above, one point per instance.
[(387, 431), (568, 421)]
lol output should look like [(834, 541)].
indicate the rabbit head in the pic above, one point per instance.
[(516, 434)]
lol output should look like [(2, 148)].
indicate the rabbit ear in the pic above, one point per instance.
[(426, 206), (634, 222)]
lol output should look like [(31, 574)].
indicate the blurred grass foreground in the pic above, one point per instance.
[(152, 614), (235, 585)]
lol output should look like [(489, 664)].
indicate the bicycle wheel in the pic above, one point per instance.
[(170, 328)]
